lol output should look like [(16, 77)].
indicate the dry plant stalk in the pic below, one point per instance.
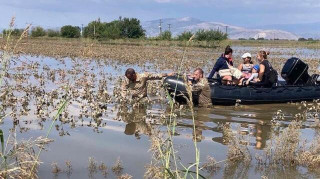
[(287, 149), (21, 158), (154, 172), (125, 176), (92, 166), (236, 151), (55, 168), (286, 145), (117, 168), (211, 165), (103, 169)]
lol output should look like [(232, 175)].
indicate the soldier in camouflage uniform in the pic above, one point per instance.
[(201, 86), (136, 84)]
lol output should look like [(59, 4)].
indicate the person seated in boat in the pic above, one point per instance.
[(246, 66), (254, 74), (223, 63), (200, 85), (135, 84), (267, 76)]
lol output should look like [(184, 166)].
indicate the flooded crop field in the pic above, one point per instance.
[(62, 116)]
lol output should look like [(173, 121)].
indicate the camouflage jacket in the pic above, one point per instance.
[(203, 89), (138, 89)]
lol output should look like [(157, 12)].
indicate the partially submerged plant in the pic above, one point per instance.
[(125, 176), (92, 166), (68, 168), (236, 150), (117, 167), (103, 169), (19, 158), (211, 165), (55, 168)]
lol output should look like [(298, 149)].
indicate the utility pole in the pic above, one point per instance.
[(227, 30), (160, 27), (94, 30), (273, 36), (169, 27), (81, 30)]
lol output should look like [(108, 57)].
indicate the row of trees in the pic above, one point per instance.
[(118, 29), (200, 35), (300, 39), (306, 39), (67, 31), (122, 28)]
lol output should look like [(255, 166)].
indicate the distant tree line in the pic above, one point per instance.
[(123, 28), (67, 31), (261, 38), (306, 39), (200, 35)]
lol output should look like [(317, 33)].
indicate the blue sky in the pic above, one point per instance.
[(246, 13)]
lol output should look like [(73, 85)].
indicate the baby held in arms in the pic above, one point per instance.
[(254, 74)]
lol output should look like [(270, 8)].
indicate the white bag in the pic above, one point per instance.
[(235, 72), (225, 72)]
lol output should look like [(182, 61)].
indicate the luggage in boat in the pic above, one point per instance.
[(295, 72)]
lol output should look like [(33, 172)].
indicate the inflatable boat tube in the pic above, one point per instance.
[(229, 95)]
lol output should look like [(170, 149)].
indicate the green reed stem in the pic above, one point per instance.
[(5, 59), (2, 149), (60, 110), (172, 124), (2, 142)]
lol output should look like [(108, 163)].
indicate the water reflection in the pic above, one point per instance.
[(207, 121), (135, 119)]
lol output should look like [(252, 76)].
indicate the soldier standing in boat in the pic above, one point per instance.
[(200, 85)]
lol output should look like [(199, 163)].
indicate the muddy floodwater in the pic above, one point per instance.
[(93, 124)]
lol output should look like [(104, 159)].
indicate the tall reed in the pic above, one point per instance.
[(20, 151), (166, 149)]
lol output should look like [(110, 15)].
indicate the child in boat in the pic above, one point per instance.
[(246, 66), (254, 74)]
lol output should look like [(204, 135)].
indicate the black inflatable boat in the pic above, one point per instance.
[(298, 86)]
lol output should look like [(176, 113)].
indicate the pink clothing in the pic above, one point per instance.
[(246, 75)]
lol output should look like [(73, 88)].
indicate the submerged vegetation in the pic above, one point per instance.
[(62, 87)]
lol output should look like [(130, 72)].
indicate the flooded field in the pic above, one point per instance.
[(96, 136)]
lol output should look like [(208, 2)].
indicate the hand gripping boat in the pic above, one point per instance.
[(298, 86)]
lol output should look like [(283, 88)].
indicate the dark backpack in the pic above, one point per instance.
[(272, 75)]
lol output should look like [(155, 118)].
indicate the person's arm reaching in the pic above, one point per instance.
[(124, 89), (151, 76), (216, 68)]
